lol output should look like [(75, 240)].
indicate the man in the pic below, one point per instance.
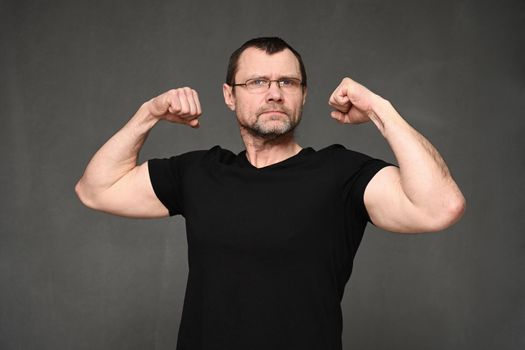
[(272, 231)]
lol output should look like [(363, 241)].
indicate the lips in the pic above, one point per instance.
[(274, 109), (266, 112)]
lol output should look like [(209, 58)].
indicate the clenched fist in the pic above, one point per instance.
[(178, 106), (352, 102)]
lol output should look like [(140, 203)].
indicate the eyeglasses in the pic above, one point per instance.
[(262, 84)]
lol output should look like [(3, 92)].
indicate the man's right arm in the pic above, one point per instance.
[(113, 182)]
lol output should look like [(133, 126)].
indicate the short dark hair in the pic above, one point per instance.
[(270, 45)]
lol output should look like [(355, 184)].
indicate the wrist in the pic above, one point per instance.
[(146, 112), (380, 106), (145, 116), (143, 120), (385, 114)]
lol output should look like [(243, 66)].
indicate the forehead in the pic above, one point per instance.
[(254, 62)]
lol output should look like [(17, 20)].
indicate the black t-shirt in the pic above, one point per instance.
[(270, 249)]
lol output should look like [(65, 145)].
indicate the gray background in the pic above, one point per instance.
[(73, 73)]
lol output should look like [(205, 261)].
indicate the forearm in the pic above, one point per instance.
[(425, 178), (118, 155)]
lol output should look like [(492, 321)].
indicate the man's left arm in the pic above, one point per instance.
[(420, 195)]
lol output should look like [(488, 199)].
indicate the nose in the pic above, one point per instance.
[(274, 92)]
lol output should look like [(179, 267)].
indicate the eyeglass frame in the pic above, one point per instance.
[(269, 82)]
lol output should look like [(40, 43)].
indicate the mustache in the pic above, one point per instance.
[(272, 108)]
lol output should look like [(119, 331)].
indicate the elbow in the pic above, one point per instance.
[(83, 195), (451, 215), (457, 210)]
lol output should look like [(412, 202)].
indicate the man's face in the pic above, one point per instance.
[(274, 111)]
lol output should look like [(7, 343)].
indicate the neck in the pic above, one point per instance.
[(263, 152)]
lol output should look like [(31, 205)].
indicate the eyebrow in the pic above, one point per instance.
[(268, 78)]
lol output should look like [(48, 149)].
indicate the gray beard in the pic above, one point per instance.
[(271, 134), (257, 129)]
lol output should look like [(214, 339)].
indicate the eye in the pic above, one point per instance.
[(288, 82), (257, 82)]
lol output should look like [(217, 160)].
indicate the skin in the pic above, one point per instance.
[(419, 196), (266, 120)]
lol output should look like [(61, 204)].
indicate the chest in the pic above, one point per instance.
[(263, 213)]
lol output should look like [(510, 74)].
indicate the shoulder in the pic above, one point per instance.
[(341, 150), (202, 154), (342, 155)]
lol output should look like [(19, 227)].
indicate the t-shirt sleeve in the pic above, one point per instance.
[(357, 191), (167, 179), (357, 169)]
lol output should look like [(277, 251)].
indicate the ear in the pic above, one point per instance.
[(229, 97), (304, 95)]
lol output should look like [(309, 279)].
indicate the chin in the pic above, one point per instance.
[(275, 126), (274, 132), (270, 128)]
